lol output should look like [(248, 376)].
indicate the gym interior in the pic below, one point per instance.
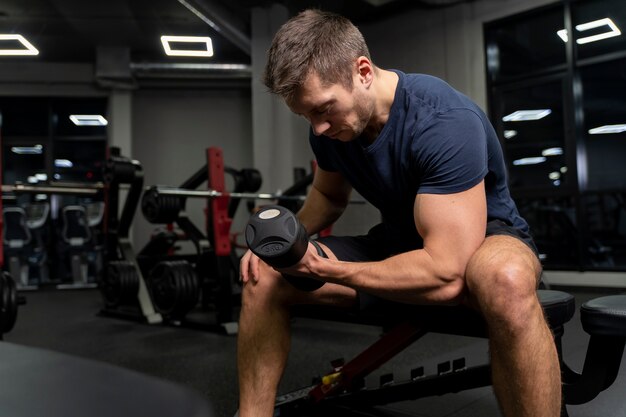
[(138, 140)]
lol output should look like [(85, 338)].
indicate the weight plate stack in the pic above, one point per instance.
[(174, 288), (120, 284), (160, 209), (8, 303)]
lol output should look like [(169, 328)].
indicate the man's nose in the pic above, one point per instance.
[(319, 126)]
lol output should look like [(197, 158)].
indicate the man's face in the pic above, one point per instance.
[(333, 111)]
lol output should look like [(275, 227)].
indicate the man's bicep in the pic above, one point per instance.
[(452, 226)]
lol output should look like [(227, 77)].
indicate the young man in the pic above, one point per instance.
[(430, 161)]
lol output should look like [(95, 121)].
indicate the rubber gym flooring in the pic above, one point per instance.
[(68, 321)]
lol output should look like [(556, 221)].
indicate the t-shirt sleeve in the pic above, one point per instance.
[(451, 152), (320, 147)]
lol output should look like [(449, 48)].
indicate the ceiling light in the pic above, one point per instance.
[(554, 175), (552, 152), (88, 120), (508, 134), (29, 48), (63, 163), (597, 23), (27, 150), (614, 31), (204, 40), (530, 161), (525, 115), (608, 129)]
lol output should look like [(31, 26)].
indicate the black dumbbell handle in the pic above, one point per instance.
[(304, 283)]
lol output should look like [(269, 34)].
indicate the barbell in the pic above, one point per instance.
[(162, 204), (184, 193), (64, 188)]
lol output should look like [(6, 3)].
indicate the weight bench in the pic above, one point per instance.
[(604, 319), (39, 382)]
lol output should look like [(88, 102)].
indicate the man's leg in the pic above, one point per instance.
[(501, 278), (264, 335)]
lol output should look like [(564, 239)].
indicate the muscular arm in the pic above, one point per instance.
[(452, 226), (326, 201)]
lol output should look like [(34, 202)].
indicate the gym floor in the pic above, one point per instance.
[(69, 322)]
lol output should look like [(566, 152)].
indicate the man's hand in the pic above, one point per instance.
[(307, 266), (249, 267)]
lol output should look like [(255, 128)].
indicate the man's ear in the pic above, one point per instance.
[(365, 70)]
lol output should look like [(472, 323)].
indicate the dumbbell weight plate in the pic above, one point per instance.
[(173, 286), (276, 236), (120, 284), (158, 208)]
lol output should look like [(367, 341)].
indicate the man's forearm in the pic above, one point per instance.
[(413, 277), (319, 212)]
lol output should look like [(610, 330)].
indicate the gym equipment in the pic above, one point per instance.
[(157, 191), (276, 236), (344, 388), (74, 239), (178, 281), (61, 188), (24, 245), (166, 284), (76, 235), (123, 285), (16, 238), (9, 301), (174, 288), (72, 386)]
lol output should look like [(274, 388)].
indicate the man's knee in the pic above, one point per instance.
[(502, 282), (269, 289)]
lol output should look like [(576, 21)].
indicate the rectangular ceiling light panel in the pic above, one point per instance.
[(28, 49), (88, 120), (203, 41), (613, 31), (606, 129), (526, 115)]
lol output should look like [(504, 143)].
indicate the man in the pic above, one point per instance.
[(429, 160)]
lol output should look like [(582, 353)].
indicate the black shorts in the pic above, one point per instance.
[(373, 247)]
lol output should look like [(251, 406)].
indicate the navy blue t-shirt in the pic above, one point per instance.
[(436, 141)]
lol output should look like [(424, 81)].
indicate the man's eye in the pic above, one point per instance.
[(326, 110)]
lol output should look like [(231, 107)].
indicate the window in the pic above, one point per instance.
[(604, 125), (566, 160), (522, 46), (531, 120)]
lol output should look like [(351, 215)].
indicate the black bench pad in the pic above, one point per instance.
[(558, 306), (605, 316), (38, 382)]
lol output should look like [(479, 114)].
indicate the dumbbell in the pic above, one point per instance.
[(275, 235)]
